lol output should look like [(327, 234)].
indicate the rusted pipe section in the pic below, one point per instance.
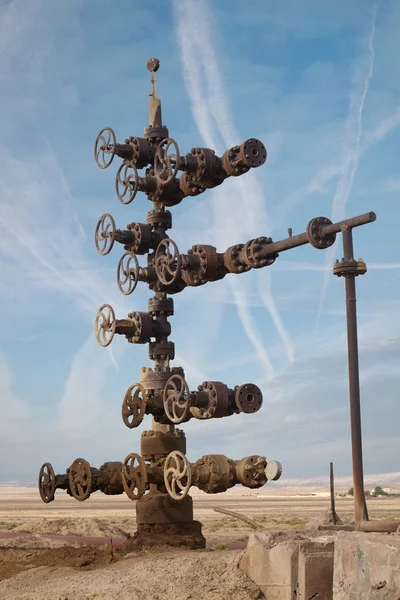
[(262, 251), (360, 507), (325, 231), (239, 516), (70, 540), (378, 526), (332, 491), (349, 268)]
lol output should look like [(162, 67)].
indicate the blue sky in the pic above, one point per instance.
[(319, 83)]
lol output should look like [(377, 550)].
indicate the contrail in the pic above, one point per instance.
[(350, 164), (211, 113)]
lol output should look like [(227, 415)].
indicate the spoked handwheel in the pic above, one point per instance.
[(176, 399), (177, 475), (166, 161), (80, 479), (47, 483), (104, 148), (127, 273), (104, 236), (134, 476), (167, 262), (134, 406), (104, 326), (126, 182)]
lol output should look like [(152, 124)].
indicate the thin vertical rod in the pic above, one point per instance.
[(332, 486), (360, 507)]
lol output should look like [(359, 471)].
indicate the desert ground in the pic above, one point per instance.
[(33, 568)]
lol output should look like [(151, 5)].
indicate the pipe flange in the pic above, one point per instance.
[(154, 382), (161, 306), (155, 445), (142, 151), (314, 233), (253, 255), (208, 265), (159, 218), (250, 471), (189, 186), (160, 132), (207, 412), (232, 164), (233, 261), (162, 350), (209, 171), (142, 238), (144, 327), (252, 153), (248, 398), (349, 268)]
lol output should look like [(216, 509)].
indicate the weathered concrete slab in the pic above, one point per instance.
[(366, 566), (289, 565), (315, 570)]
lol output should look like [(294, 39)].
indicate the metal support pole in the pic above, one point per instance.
[(360, 507), (349, 268), (332, 488)]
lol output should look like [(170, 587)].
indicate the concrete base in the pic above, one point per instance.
[(288, 565), (367, 566), (156, 507), (186, 535), (162, 521)]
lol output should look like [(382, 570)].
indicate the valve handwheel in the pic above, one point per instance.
[(47, 483), (105, 145), (80, 479), (126, 182), (104, 327), (134, 405), (127, 273), (134, 477), (177, 475), (104, 236), (176, 399), (167, 263), (166, 164)]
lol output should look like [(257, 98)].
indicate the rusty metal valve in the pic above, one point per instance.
[(177, 475), (134, 405), (104, 236), (127, 273), (166, 164), (176, 399), (134, 477), (167, 263), (80, 479), (126, 182), (105, 324), (104, 148), (47, 483)]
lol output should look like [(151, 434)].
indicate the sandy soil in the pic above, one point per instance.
[(57, 572)]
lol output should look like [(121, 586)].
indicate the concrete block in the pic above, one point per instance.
[(288, 565), (271, 561), (315, 570), (366, 566)]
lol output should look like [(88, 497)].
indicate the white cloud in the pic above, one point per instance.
[(212, 115), (351, 148)]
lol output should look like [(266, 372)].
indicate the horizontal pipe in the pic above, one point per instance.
[(302, 238), (378, 526), (368, 217), (70, 540)]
